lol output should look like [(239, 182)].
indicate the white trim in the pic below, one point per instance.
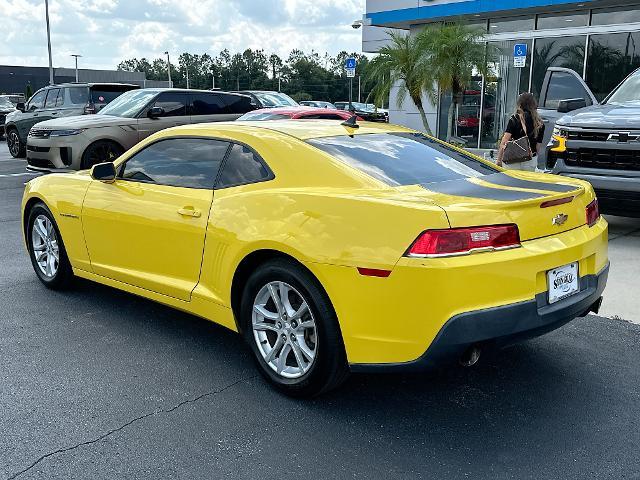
[(564, 32)]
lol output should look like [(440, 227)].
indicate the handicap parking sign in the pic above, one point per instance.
[(350, 64), (519, 55)]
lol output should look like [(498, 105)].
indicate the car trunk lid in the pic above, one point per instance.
[(538, 207)]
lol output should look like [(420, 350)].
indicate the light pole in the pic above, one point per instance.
[(46, 8), (356, 25), (76, 56), (169, 69)]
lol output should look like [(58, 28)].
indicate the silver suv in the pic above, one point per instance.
[(56, 101), (80, 142), (592, 141)]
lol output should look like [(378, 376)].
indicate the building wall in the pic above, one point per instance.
[(598, 39), (14, 79)]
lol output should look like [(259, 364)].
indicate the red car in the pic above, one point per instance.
[(304, 113)]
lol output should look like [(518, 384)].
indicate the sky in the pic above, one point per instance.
[(106, 32)]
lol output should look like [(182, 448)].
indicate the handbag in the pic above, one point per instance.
[(516, 151)]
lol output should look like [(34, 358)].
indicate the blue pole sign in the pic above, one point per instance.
[(350, 64), (519, 55)]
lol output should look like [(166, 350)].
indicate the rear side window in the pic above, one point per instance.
[(206, 104), (563, 86), (79, 95), (173, 104), (104, 95), (178, 162), (402, 158), (237, 103), (242, 166)]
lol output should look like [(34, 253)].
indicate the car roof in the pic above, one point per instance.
[(92, 84), (300, 129)]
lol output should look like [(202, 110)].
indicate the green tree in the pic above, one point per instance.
[(453, 53), (401, 63)]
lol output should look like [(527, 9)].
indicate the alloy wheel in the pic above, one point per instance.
[(284, 329), (13, 142), (45, 246)]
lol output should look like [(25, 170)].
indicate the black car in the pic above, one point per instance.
[(363, 110), (6, 107)]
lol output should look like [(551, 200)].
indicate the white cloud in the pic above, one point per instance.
[(108, 31)]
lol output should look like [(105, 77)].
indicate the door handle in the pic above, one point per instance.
[(189, 212)]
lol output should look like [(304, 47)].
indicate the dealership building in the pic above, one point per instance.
[(15, 78), (598, 39)]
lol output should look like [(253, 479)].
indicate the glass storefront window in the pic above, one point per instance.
[(565, 52), (503, 85), (611, 58), (466, 117), (512, 24), (563, 20), (617, 15)]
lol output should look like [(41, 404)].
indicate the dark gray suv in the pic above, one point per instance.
[(596, 142), (57, 101)]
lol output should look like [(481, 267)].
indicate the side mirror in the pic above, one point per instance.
[(104, 172), (571, 104), (20, 106), (155, 112)]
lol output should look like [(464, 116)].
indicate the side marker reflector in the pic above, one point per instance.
[(373, 272)]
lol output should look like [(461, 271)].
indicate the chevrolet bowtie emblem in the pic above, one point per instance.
[(559, 219)]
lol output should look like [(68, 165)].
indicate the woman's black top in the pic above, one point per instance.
[(514, 127)]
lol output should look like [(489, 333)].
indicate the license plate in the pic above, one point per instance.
[(563, 282)]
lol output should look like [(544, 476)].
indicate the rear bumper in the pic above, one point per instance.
[(501, 326)]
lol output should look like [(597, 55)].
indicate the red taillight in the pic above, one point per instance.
[(458, 241), (553, 203), (593, 213)]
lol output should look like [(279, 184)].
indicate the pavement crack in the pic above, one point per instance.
[(129, 423)]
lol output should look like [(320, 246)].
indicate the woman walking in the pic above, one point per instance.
[(522, 138)]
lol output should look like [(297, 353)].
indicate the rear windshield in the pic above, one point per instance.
[(402, 158), (107, 94)]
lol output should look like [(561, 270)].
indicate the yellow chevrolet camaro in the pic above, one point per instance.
[(330, 247)]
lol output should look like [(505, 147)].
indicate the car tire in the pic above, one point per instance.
[(44, 242), (302, 356), (17, 149), (100, 152)]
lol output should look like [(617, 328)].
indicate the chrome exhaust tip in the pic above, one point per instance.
[(471, 356)]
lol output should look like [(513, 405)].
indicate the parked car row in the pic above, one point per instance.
[(57, 101), (55, 131)]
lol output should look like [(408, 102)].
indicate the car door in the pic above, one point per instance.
[(51, 107), (148, 227), (31, 115), (173, 107), (559, 84)]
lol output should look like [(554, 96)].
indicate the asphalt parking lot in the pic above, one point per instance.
[(96, 383)]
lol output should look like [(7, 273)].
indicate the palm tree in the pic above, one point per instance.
[(401, 63), (453, 52)]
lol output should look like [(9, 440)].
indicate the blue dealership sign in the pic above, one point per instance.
[(350, 64)]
